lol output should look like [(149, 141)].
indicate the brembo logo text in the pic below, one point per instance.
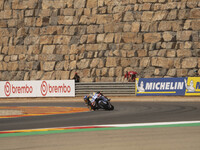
[(53, 89), (10, 88)]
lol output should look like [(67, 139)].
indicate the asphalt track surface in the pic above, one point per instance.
[(125, 112)]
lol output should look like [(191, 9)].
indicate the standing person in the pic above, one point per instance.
[(126, 76), (76, 77), (133, 76), (196, 73)]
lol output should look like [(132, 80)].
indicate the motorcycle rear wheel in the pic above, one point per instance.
[(112, 107)]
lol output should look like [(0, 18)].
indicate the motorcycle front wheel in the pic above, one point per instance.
[(111, 107)]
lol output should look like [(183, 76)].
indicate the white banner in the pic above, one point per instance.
[(44, 88), (54, 88)]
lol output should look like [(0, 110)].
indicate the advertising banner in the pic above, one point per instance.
[(46, 88), (192, 86), (57, 88), (167, 86), (18, 89)]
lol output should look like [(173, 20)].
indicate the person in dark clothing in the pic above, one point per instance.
[(133, 76), (76, 77)]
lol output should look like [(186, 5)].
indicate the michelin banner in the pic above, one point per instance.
[(167, 86)]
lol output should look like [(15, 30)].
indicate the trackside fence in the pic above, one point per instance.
[(107, 88)]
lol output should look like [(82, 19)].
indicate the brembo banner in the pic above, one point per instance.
[(167, 86), (44, 88)]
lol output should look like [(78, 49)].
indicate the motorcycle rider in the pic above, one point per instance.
[(93, 99)]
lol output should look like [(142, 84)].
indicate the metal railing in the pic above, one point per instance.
[(107, 88)]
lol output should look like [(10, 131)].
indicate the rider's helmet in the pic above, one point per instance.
[(98, 93), (85, 97)]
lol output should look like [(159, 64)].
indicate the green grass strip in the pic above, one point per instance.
[(95, 129)]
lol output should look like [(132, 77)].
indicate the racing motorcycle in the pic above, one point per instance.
[(99, 103)]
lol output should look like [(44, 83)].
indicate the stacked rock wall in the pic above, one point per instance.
[(99, 39)]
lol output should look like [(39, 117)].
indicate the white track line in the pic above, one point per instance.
[(115, 125), (150, 124)]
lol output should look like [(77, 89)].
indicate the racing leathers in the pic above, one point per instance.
[(95, 99)]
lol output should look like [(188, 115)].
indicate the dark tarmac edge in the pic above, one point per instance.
[(113, 98)]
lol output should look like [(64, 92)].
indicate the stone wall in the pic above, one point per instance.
[(99, 39)]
